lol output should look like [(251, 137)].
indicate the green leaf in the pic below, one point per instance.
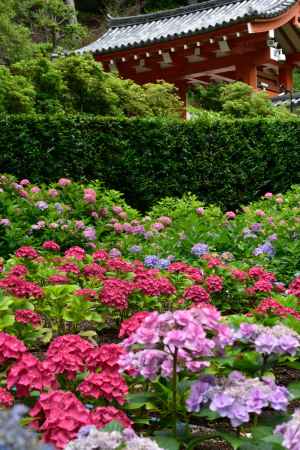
[(235, 441), (113, 426), (294, 389), (167, 443)]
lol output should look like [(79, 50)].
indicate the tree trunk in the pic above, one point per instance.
[(71, 4)]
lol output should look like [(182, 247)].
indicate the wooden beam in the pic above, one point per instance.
[(263, 25)]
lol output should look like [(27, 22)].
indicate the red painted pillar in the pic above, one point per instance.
[(286, 77), (248, 74)]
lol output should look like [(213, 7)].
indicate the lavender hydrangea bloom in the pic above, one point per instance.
[(59, 208), (163, 263), (264, 249), (256, 227), (135, 249), (13, 436), (237, 397), (90, 233), (42, 205), (104, 440), (114, 253), (290, 432), (151, 261), (247, 233), (276, 340), (199, 249)]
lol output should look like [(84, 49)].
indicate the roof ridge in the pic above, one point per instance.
[(175, 12)]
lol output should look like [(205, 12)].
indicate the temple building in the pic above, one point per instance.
[(254, 41)]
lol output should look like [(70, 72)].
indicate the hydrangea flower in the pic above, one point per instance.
[(264, 249), (107, 384), (199, 249), (90, 196), (237, 396), (42, 205), (278, 339), (151, 348), (113, 440), (13, 436), (151, 261), (290, 432)]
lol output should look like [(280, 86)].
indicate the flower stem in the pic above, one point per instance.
[(174, 389)]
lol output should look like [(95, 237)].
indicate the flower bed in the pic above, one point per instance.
[(175, 325)]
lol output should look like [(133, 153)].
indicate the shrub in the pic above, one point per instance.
[(222, 161)]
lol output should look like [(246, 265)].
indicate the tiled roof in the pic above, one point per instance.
[(139, 31)]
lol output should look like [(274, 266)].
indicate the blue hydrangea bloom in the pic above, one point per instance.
[(151, 261), (199, 249)]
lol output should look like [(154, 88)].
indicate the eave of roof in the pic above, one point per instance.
[(129, 25)]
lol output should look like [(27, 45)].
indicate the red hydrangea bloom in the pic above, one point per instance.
[(130, 325), (21, 288), (26, 252), (214, 283), (240, 275), (115, 293), (154, 287), (58, 279), (6, 399), (191, 272), (67, 355), (51, 245), (271, 305), (256, 272), (100, 255), (26, 316), (263, 286), (294, 287), (117, 264), (103, 415), (59, 416), (94, 270), (75, 252), (69, 268), (29, 374), (107, 384), (212, 261), (10, 347), (18, 270), (88, 294), (196, 294), (105, 357)]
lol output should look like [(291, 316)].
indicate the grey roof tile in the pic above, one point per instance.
[(138, 31)]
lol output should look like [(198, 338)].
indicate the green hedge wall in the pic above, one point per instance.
[(225, 162)]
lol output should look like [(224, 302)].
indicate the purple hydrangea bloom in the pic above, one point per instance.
[(278, 339), (135, 249), (256, 227), (42, 205), (247, 233), (290, 432), (237, 397), (264, 249), (199, 249), (90, 233), (163, 263), (59, 208), (151, 261), (114, 253)]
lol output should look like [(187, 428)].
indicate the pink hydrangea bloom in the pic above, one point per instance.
[(29, 374), (24, 182), (200, 211), (115, 293), (26, 252), (87, 293), (214, 283), (94, 270), (230, 215), (6, 399), (75, 252), (10, 347), (165, 220), (53, 193), (130, 325), (58, 279), (102, 416), (51, 245), (67, 355), (64, 182), (105, 356), (100, 255), (197, 294), (107, 384), (19, 270), (26, 316), (59, 416), (90, 196)]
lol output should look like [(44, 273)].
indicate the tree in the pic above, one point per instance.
[(15, 38), (17, 95)]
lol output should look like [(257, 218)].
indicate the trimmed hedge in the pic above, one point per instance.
[(225, 162)]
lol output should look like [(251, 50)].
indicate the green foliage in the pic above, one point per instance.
[(79, 84), (236, 100), (159, 5), (17, 95), (228, 162)]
